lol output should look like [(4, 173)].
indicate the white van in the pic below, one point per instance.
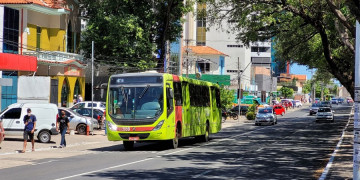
[(46, 114)]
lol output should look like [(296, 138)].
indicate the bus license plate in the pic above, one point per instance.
[(133, 138)]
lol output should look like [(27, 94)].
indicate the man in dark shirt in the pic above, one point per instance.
[(63, 124), (30, 124)]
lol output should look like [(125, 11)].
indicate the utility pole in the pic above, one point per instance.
[(187, 57), (239, 88), (356, 157), (92, 84), (271, 86)]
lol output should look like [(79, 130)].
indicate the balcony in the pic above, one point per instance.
[(55, 56)]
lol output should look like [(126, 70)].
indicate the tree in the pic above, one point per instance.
[(286, 92), (226, 97), (128, 33), (307, 87), (319, 34)]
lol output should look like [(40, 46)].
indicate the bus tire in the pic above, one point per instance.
[(128, 145), (174, 143), (205, 137)]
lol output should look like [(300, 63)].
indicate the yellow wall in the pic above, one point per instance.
[(51, 39), (72, 82)]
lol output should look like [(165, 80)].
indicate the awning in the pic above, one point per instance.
[(16, 62)]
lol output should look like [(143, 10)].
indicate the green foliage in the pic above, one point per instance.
[(250, 115), (286, 92), (128, 33), (319, 34), (252, 108), (226, 97), (307, 87)]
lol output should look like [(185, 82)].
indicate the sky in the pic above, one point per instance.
[(300, 69)]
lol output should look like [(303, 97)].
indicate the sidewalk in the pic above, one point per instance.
[(342, 167)]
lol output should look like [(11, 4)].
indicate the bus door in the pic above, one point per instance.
[(178, 102), (185, 109)]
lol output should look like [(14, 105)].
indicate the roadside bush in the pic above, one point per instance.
[(250, 116)]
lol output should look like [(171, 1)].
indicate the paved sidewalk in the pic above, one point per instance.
[(342, 167)]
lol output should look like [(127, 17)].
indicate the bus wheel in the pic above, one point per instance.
[(174, 143), (205, 137), (128, 145)]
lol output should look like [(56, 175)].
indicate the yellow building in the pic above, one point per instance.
[(50, 30)]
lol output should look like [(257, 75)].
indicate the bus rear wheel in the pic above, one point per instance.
[(174, 143), (128, 145), (205, 137)]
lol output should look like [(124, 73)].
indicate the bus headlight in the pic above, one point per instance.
[(158, 126), (112, 126)]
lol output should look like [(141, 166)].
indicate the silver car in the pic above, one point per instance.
[(325, 113), (79, 122), (265, 116), (314, 108)]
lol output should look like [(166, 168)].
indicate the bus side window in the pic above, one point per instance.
[(184, 93), (178, 94), (169, 102), (217, 95)]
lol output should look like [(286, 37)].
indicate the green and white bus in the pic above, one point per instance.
[(156, 106)]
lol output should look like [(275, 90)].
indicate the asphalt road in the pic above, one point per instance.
[(295, 148)]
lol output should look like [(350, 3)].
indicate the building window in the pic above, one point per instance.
[(204, 67), (235, 46), (260, 49), (38, 37), (11, 31)]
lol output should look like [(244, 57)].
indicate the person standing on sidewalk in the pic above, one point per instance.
[(30, 124), (63, 123)]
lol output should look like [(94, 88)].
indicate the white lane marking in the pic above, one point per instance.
[(44, 162), (329, 164), (104, 169), (202, 174), (121, 165), (178, 151)]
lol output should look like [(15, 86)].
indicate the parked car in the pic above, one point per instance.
[(341, 100), (98, 114), (243, 109), (349, 100), (297, 103), (325, 104), (334, 101), (317, 100), (286, 103), (265, 116), (45, 113), (88, 104), (325, 113), (314, 108), (279, 109), (79, 122)]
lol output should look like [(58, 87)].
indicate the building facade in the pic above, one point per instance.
[(48, 30)]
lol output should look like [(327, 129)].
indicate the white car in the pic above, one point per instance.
[(325, 113), (88, 104), (13, 119), (79, 122), (297, 103), (265, 116)]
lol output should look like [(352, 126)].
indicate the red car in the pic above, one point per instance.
[(279, 109)]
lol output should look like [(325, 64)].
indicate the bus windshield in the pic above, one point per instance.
[(144, 102)]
